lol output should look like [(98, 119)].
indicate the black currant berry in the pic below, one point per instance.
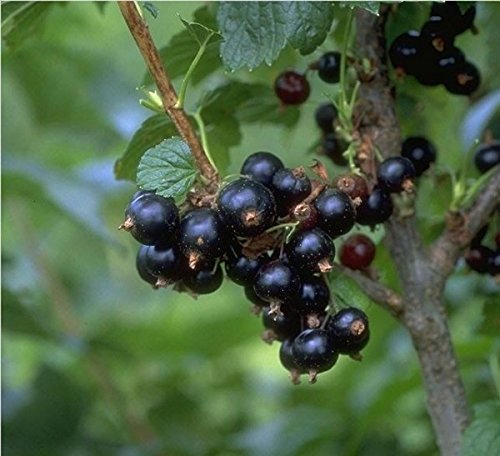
[(280, 327), (204, 280), (451, 14), (314, 352), (330, 147), (449, 61), (375, 209), (140, 265), (328, 67), (253, 298), (202, 236), (437, 33), (276, 282), (290, 187), (494, 263), (292, 88), (140, 193), (261, 167), (464, 80), (314, 296), (311, 251), (487, 157), (242, 269), (349, 330), (353, 185), (152, 219), (420, 152), (404, 52), (478, 258), (247, 207), (336, 214), (357, 252), (396, 174), (325, 115), (165, 263), (287, 361)]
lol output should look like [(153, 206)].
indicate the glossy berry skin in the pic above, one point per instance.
[(313, 350), (464, 80), (314, 296), (494, 263), (330, 146), (251, 296), (292, 88), (311, 251), (152, 219), (487, 157), (290, 187), (349, 330), (451, 14), (353, 185), (140, 265), (328, 67), (357, 252), (165, 263), (394, 173), (284, 326), (261, 167), (478, 258), (324, 116), (277, 282), (336, 214), (205, 280), (242, 269), (404, 52), (375, 209), (140, 193), (286, 356), (449, 61), (247, 207), (437, 33), (420, 152), (202, 236)]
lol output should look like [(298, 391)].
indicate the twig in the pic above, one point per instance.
[(140, 32)]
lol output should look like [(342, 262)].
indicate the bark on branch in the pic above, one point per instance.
[(140, 32)]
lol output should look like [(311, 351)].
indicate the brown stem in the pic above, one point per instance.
[(140, 31), (423, 312)]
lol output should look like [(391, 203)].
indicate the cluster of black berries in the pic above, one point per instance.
[(293, 88), (430, 55), (487, 156), (481, 258)]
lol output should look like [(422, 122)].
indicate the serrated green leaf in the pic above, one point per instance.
[(483, 434), (348, 291), (200, 33), (168, 168), (21, 19), (372, 7), (152, 131)]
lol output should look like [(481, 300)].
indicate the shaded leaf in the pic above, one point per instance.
[(168, 168), (348, 291), (200, 33), (483, 434), (372, 7), (491, 318)]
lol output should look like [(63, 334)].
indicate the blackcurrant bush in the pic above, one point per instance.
[(313, 297), (205, 280), (261, 167), (353, 185), (330, 147), (314, 352), (152, 219), (336, 214), (357, 252), (284, 326), (292, 88), (328, 67), (487, 157), (349, 330), (405, 53), (325, 115), (165, 263), (247, 207), (478, 258), (420, 152), (396, 174), (202, 236), (464, 80), (242, 269), (140, 265), (375, 209), (311, 251), (290, 187)]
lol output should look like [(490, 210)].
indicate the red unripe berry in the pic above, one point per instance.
[(357, 252), (292, 88)]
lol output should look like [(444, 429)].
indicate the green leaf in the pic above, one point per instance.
[(20, 20), (152, 131), (372, 7), (168, 168), (491, 318), (483, 434), (200, 33), (347, 291)]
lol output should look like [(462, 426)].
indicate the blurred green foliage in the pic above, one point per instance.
[(97, 363)]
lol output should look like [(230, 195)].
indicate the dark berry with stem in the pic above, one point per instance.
[(311, 251), (328, 66), (253, 298), (280, 327), (288, 362), (404, 52), (261, 166), (202, 236), (166, 263), (313, 297), (336, 214), (140, 264), (325, 115), (140, 193), (494, 263), (487, 157), (449, 61), (152, 219), (290, 187), (306, 214), (437, 33), (457, 22), (330, 146), (478, 258), (464, 80), (353, 185), (247, 207), (292, 88), (420, 152), (375, 209), (396, 174), (205, 280), (314, 352), (349, 330), (242, 269), (357, 252)]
